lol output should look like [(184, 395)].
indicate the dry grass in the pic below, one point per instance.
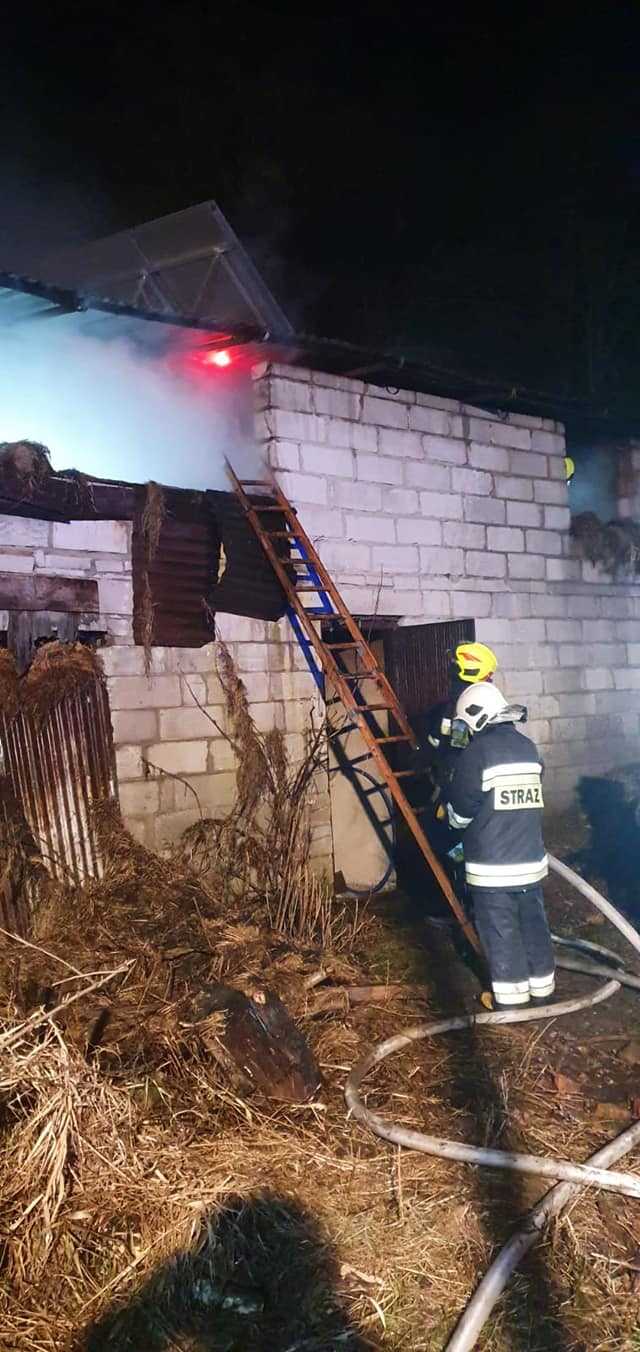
[(9, 683), (148, 1204), (614, 546), (57, 670)]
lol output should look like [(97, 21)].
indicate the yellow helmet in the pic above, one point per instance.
[(474, 662)]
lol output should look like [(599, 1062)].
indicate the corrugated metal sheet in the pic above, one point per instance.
[(417, 662), (249, 585), (181, 574), (57, 770)]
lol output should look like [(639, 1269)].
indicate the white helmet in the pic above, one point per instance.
[(483, 704)]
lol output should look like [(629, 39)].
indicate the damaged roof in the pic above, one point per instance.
[(207, 559)]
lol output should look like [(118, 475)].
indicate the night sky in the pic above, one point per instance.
[(464, 187)]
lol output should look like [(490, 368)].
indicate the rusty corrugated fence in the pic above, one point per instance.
[(57, 768)]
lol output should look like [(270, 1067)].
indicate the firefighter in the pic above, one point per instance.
[(495, 799)]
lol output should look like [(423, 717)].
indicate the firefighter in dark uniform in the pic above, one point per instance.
[(495, 800), (471, 662)]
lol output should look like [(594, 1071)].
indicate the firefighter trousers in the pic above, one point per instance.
[(514, 933)]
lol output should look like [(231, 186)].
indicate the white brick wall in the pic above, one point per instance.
[(484, 500)]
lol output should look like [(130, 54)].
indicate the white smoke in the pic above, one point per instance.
[(110, 406)]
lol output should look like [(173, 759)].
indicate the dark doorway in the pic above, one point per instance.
[(417, 664)]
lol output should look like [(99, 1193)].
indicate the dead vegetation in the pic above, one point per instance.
[(613, 546), (152, 1199)]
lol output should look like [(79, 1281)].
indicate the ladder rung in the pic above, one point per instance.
[(403, 774), (403, 737), (281, 535), (256, 483), (361, 675), (364, 708), (282, 510), (336, 646), (310, 586)]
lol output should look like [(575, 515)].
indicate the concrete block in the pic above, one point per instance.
[(406, 445), (487, 510), (581, 606), (141, 726), (378, 469), (417, 530), (471, 481), (293, 395), (177, 725), (407, 603), (557, 518), (436, 604), (384, 412), (222, 756), (627, 678), (115, 595), (346, 556), (548, 442), (599, 631), (499, 433), (283, 454), (627, 631), (358, 496), (170, 826), (525, 462), (16, 563), (395, 558), (564, 631), (549, 606), (304, 488), (510, 487), (538, 729), (524, 514), (435, 421), (19, 532), (336, 403), (488, 457), (107, 563), (557, 469), (458, 534), (119, 627), (569, 729), (444, 506), (68, 563), (297, 426), (442, 562), (340, 433), (129, 763), (505, 537), (563, 570), (268, 716), (484, 564), (543, 542), (120, 659), (512, 605), (444, 448), (523, 566), (600, 654), (401, 501), (517, 684), (136, 692), (327, 460), (216, 792), (188, 661), (633, 654), (363, 437), (188, 757), (96, 537), (400, 396), (562, 680), (434, 401), (470, 605), (139, 800), (551, 491), (424, 474), (508, 630), (378, 530)]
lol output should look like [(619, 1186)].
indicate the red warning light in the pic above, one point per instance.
[(220, 358)]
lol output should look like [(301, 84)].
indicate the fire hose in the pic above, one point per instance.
[(595, 1173)]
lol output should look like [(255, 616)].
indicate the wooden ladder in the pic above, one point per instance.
[(316, 580)]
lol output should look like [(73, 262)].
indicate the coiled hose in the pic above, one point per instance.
[(594, 1173)]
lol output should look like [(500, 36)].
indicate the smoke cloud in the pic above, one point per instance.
[(122, 402)]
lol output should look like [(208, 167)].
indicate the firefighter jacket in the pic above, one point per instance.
[(496, 799)]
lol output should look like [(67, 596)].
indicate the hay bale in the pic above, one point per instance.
[(57, 670), (614, 547), (9, 683), (26, 463)]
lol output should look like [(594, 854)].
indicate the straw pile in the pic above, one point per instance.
[(57, 670), (614, 546), (148, 1203), (9, 683)]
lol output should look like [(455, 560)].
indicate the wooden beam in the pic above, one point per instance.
[(35, 591)]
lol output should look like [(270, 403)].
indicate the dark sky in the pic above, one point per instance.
[(462, 181)]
